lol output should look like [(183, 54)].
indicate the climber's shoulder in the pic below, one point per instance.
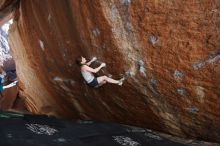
[(84, 67)]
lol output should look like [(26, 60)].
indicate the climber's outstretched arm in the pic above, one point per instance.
[(89, 69), (93, 59)]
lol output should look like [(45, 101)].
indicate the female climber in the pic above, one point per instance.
[(88, 73)]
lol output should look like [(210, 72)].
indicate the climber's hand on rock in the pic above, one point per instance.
[(103, 65), (94, 59)]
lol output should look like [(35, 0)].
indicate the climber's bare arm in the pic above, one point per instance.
[(91, 61), (92, 70), (88, 63)]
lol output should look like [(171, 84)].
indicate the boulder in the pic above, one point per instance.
[(167, 50)]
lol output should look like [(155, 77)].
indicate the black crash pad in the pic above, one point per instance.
[(31, 130)]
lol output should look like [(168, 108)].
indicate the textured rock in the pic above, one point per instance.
[(10, 94), (6, 9), (168, 49)]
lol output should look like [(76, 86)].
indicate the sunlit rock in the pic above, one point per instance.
[(168, 51)]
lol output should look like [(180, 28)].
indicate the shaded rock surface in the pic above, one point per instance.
[(11, 101), (6, 9), (10, 95), (169, 50)]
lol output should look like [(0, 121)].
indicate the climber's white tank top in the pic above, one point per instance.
[(87, 76)]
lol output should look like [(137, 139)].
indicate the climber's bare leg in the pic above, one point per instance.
[(103, 79), (102, 83)]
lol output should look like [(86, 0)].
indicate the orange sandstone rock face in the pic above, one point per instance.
[(9, 97), (169, 50)]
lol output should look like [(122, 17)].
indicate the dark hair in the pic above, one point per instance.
[(79, 60)]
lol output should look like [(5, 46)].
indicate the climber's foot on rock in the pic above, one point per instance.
[(121, 81)]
